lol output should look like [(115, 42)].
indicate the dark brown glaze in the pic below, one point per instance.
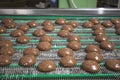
[(49, 28), (39, 32), (100, 38), (65, 52), (27, 60), (46, 38), (64, 33), (107, 24), (115, 21), (94, 21), (73, 24), (98, 27), (23, 27), (44, 46), (46, 22), (74, 45), (90, 66), (117, 31), (60, 21), (92, 48), (23, 39), (99, 32), (68, 61), (5, 60), (46, 66), (88, 24), (32, 24), (117, 26), (17, 33), (3, 29), (94, 56), (113, 64), (67, 27), (5, 43), (7, 20), (31, 51), (74, 38), (10, 25), (7, 51), (106, 45)]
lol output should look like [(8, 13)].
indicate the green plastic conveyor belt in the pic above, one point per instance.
[(15, 71)]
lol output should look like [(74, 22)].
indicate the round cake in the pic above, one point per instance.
[(46, 66), (68, 61), (60, 21), (67, 27), (100, 38), (74, 45), (7, 51), (106, 45), (23, 39), (94, 21), (117, 31), (32, 24), (5, 43), (115, 21), (64, 33), (31, 51), (46, 38), (94, 56), (27, 60), (5, 60), (113, 64), (39, 32), (107, 24), (65, 52), (46, 22), (98, 27), (74, 38), (7, 20), (44, 46), (117, 26), (10, 25), (88, 24), (49, 28), (3, 29), (73, 24), (17, 33), (90, 66), (24, 27), (92, 48), (99, 32)]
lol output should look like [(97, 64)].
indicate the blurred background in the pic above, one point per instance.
[(59, 3)]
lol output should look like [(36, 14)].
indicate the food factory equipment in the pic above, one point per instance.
[(21, 16)]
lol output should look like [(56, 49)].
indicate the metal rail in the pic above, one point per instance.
[(69, 12)]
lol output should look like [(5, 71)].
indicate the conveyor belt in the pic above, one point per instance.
[(14, 71)]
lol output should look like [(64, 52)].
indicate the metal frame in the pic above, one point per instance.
[(61, 12)]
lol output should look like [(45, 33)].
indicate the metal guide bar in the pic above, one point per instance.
[(60, 12)]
